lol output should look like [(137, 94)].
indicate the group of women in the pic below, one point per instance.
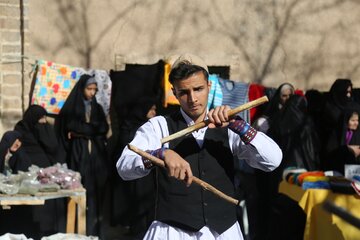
[(316, 131), (77, 138)]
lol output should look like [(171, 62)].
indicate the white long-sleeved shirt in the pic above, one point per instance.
[(262, 153)]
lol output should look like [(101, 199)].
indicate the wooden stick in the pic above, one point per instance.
[(196, 180), (202, 124)]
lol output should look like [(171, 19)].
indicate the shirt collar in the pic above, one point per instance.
[(188, 120)]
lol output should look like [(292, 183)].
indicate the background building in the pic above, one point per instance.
[(307, 43)]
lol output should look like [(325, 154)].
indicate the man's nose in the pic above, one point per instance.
[(192, 97)]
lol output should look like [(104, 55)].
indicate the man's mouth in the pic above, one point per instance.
[(194, 107)]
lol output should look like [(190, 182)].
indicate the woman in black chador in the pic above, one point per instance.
[(38, 137), (343, 146), (12, 156), (133, 202), (20, 219), (295, 133), (82, 128), (40, 144)]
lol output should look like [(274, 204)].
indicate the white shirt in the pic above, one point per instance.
[(263, 153)]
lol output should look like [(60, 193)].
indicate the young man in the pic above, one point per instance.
[(185, 210)]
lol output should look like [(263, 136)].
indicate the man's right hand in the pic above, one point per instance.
[(177, 167)]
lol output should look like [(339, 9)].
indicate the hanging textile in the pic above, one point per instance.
[(104, 85), (53, 83), (169, 97), (256, 91), (235, 94), (215, 95)]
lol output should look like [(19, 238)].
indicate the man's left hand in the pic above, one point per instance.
[(219, 117)]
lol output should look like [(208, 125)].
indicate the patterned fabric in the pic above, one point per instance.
[(215, 94), (54, 82), (355, 183), (241, 127), (104, 85), (234, 95), (159, 153)]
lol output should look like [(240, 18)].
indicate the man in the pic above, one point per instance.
[(186, 211)]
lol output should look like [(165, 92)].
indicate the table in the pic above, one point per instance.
[(76, 203), (320, 224)]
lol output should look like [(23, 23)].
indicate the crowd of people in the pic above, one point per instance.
[(313, 131)]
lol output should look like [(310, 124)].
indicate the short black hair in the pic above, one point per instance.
[(184, 70)]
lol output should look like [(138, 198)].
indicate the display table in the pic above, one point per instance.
[(321, 224), (76, 203)]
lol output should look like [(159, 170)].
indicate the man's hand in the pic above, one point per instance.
[(178, 167), (219, 117)]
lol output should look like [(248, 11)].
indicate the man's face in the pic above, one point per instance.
[(192, 94)]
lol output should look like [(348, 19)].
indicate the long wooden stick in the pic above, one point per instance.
[(196, 180), (202, 124)]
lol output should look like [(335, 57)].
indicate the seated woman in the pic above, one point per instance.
[(12, 157), (343, 146), (40, 144), (38, 137), (82, 127), (12, 160)]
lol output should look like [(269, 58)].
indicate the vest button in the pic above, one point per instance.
[(205, 204), (202, 173)]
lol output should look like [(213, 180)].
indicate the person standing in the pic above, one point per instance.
[(132, 202), (82, 127), (185, 210), (337, 101)]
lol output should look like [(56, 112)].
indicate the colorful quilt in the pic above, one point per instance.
[(54, 82)]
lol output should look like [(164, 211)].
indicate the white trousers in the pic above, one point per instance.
[(162, 231)]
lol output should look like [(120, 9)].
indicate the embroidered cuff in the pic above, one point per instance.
[(241, 127), (159, 153), (147, 163)]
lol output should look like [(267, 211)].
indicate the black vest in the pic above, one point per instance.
[(191, 208)]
